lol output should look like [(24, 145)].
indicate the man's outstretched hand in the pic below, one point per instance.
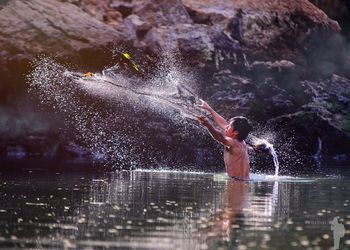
[(203, 105), (203, 120)]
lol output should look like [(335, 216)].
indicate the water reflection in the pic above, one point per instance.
[(243, 210), (166, 210)]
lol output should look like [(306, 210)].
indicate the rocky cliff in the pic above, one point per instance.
[(338, 10), (281, 63)]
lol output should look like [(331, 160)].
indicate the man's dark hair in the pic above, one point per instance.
[(242, 126)]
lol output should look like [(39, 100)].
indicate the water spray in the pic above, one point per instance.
[(79, 77), (185, 93), (263, 143), (183, 100), (108, 75)]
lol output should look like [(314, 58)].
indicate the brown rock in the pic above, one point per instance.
[(162, 12), (135, 29), (273, 29), (264, 25), (190, 39), (280, 7), (333, 8), (52, 27)]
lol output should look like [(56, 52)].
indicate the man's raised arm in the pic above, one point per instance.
[(219, 120), (216, 134)]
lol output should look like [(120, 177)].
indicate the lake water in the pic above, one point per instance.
[(171, 210)]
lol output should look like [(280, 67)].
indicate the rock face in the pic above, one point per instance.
[(55, 27), (275, 26), (272, 29), (278, 62), (29, 28), (338, 10)]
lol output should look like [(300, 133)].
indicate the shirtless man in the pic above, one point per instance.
[(232, 135)]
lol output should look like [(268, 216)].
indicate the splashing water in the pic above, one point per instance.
[(99, 107), (166, 88), (269, 146), (57, 90), (103, 124)]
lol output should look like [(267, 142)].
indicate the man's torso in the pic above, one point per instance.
[(237, 160)]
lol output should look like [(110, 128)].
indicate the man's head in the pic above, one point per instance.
[(239, 128)]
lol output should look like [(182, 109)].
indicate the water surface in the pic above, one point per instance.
[(171, 210)]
